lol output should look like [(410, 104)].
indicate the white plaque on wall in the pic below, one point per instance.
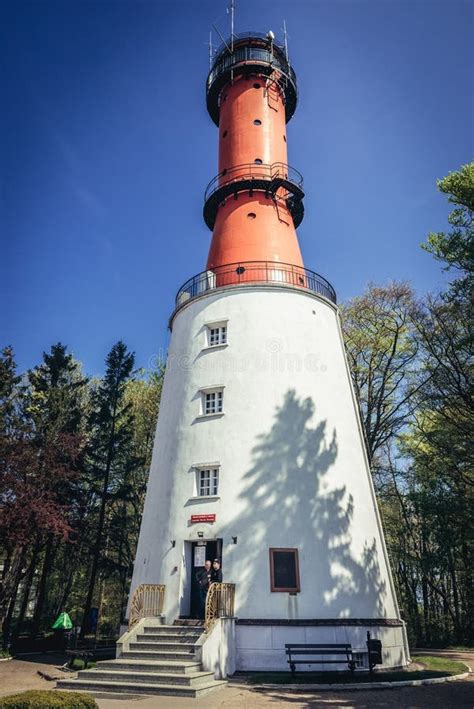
[(199, 555)]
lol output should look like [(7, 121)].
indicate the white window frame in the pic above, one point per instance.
[(208, 396), (216, 334), (211, 474)]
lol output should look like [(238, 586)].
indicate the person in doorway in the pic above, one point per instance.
[(203, 577), (216, 573)]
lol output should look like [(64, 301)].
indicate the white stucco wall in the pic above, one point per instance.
[(293, 471), (259, 648), (218, 648)]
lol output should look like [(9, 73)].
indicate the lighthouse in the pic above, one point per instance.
[(259, 458)]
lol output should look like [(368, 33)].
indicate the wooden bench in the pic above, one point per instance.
[(311, 650)]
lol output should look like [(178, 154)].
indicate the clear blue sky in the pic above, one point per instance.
[(106, 148)]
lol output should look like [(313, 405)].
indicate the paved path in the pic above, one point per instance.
[(22, 674), (19, 675)]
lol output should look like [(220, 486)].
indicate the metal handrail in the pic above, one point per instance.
[(147, 602), (220, 601), (248, 35), (255, 171), (256, 272), (240, 55)]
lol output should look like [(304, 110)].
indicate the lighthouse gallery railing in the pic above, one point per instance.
[(256, 172), (255, 272)]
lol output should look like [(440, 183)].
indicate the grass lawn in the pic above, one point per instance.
[(433, 667)]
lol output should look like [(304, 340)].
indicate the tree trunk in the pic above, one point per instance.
[(100, 526), (48, 559), (26, 590), (7, 619), (10, 578)]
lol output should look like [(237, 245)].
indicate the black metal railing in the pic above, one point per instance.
[(251, 55), (254, 171), (246, 53), (276, 180), (239, 36), (255, 272)]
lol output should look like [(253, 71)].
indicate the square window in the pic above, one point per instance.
[(216, 334), (213, 401), (207, 481), (284, 571)]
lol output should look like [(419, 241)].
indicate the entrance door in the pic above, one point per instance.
[(201, 550)]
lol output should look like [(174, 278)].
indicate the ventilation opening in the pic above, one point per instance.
[(257, 122), (256, 86), (224, 171), (258, 161), (284, 138), (251, 215), (224, 134)]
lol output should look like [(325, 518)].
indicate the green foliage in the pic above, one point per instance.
[(44, 699), (55, 391), (110, 460), (10, 394), (82, 448), (412, 370), (456, 247), (382, 355)]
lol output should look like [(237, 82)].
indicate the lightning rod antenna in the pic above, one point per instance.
[(285, 35), (210, 49), (232, 14)]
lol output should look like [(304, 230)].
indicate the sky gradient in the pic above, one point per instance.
[(106, 148)]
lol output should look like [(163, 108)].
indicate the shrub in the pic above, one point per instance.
[(48, 699)]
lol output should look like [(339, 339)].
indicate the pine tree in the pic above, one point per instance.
[(110, 455), (55, 404)]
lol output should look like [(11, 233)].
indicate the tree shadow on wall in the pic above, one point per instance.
[(291, 499)]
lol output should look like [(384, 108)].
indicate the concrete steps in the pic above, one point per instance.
[(188, 623), (157, 655), (183, 646), (168, 638), (137, 688), (177, 667), (187, 679), (160, 661)]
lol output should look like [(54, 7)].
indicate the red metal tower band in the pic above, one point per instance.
[(255, 202)]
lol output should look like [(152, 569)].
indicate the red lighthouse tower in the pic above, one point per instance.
[(255, 202)]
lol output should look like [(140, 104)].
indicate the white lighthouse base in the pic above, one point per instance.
[(261, 647), (291, 475)]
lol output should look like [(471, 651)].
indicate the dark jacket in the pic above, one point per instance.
[(204, 578), (216, 576)]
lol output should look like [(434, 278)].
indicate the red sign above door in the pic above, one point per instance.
[(202, 518)]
